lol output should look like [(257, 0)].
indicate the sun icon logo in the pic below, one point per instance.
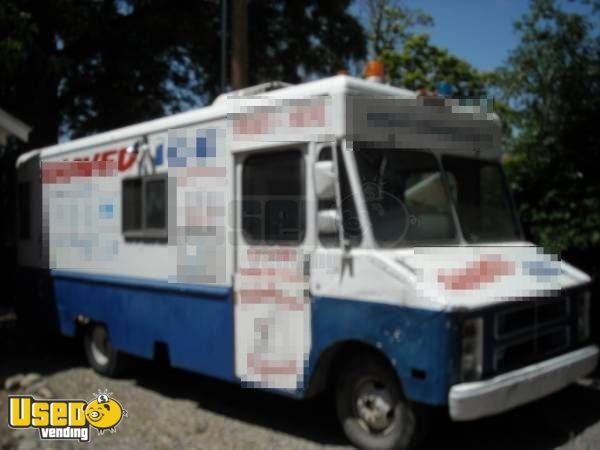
[(104, 413)]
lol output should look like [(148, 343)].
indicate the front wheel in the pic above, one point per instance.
[(101, 355), (371, 408)]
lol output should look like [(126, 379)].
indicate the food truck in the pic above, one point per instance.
[(339, 234)]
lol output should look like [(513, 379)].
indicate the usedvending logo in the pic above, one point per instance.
[(65, 419)]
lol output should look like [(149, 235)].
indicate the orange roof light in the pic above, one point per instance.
[(375, 71)]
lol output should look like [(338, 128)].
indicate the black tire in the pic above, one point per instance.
[(372, 409), (101, 355)]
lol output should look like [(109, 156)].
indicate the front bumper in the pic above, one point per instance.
[(473, 400)]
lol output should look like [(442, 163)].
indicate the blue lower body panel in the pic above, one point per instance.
[(195, 322), (421, 344)]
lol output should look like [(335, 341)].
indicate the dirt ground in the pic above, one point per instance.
[(170, 408)]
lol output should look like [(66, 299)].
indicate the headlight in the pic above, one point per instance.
[(472, 349), (583, 316)]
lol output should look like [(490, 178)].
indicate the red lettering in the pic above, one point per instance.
[(106, 156), (487, 270), (126, 160), (62, 172)]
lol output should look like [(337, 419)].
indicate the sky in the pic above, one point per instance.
[(481, 32)]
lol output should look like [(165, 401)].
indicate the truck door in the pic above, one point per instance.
[(272, 305)]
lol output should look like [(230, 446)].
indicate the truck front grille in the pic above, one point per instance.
[(521, 352), (522, 318), (528, 332)]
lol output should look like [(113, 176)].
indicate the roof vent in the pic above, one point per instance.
[(252, 90)]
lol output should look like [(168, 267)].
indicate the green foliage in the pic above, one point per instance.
[(90, 66), (84, 67), (410, 59), (420, 64), (391, 23), (294, 40), (552, 81)]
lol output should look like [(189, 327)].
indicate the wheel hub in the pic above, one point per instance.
[(374, 406)]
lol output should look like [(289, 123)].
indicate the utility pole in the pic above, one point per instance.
[(223, 45), (239, 44)]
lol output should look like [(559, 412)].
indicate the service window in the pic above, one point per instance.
[(25, 211), (132, 204), (144, 208), (273, 199), (155, 202)]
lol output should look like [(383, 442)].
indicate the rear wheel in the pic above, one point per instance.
[(100, 353), (371, 408)]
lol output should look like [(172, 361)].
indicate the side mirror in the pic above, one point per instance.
[(327, 221), (324, 180)]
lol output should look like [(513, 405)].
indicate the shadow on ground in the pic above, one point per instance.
[(545, 424)]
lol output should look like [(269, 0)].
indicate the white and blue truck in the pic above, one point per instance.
[(338, 234)]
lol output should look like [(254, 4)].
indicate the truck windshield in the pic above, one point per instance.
[(405, 197), (408, 200), (482, 199)]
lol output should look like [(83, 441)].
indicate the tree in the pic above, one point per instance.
[(409, 58), (420, 64), (552, 81), (296, 40), (84, 67), (91, 66), (390, 23)]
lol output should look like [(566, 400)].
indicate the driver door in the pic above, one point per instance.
[(272, 303)]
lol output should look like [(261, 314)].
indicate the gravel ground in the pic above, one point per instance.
[(174, 409)]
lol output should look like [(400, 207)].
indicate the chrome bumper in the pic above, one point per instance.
[(473, 400)]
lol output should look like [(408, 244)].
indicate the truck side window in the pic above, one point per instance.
[(273, 203), (25, 211), (155, 201), (144, 207), (132, 204)]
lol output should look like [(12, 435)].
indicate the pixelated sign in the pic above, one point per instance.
[(272, 317), (83, 201), (485, 273), (280, 120), (416, 123), (197, 224)]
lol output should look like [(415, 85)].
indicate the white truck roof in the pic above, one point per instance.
[(340, 84), (337, 85)]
